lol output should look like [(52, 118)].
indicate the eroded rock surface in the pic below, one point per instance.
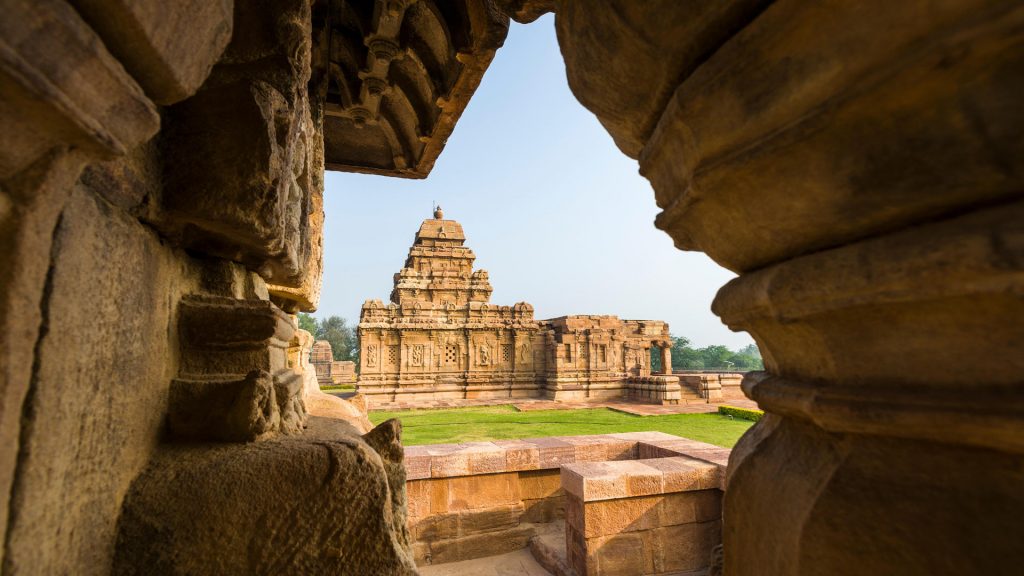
[(325, 502)]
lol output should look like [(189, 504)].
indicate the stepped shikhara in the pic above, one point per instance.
[(439, 338)]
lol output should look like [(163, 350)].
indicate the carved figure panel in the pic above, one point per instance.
[(484, 355), (524, 351), (416, 358), (371, 355)]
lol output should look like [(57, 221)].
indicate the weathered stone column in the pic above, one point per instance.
[(666, 357), (860, 166)]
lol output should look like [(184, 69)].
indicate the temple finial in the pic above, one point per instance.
[(438, 213)]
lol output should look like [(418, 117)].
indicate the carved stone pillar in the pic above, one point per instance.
[(666, 357), (860, 165)]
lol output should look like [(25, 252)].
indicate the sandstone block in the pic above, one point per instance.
[(519, 455), (642, 479), (681, 474), (679, 508), (169, 48), (231, 411), (686, 547), (625, 554), (540, 484), (417, 464), (418, 499), (553, 452), (587, 448), (481, 545), (594, 481), (489, 519), (544, 510), (448, 461), (485, 458), (435, 527), (607, 517), (484, 491), (629, 97), (61, 87)]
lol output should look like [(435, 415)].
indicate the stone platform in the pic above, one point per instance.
[(657, 494), (530, 405), (518, 563)]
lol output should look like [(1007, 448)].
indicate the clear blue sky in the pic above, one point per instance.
[(554, 212)]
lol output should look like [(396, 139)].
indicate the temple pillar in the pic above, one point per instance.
[(666, 357), (859, 166)]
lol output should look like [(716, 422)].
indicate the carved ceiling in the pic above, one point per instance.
[(395, 75)]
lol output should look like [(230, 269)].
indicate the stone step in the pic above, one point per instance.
[(548, 549)]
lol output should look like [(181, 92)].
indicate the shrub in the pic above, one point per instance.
[(743, 413)]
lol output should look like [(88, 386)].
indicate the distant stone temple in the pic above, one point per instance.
[(330, 372), (440, 338)]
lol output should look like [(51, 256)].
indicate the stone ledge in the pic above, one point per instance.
[(592, 481), (471, 458)]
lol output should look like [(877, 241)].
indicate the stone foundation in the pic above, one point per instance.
[(485, 498), (712, 386)]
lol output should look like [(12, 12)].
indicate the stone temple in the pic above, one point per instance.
[(440, 338)]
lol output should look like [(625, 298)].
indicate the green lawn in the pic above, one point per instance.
[(503, 422), (339, 388)]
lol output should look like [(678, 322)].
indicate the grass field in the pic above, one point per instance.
[(504, 422), (339, 388)]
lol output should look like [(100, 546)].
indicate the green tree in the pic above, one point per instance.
[(750, 350), (684, 357), (716, 356), (307, 323), (342, 337)]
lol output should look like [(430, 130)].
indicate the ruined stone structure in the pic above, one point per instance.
[(627, 504), (331, 372), (859, 165), (440, 337)]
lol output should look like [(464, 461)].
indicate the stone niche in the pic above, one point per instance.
[(441, 338)]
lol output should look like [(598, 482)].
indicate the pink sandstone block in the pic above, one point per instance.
[(553, 452), (682, 474), (641, 479), (679, 446), (595, 480), (587, 448), (417, 466), (618, 515), (485, 457), (519, 455), (618, 449), (445, 463)]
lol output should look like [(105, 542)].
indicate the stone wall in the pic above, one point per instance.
[(712, 386), (650, 516), (160, 177), (485, 498)]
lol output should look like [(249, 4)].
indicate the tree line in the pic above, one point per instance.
[(714, 357), (334, 329), (345, 346)]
